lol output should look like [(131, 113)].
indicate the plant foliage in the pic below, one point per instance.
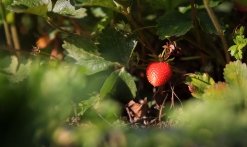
[(84, 82)]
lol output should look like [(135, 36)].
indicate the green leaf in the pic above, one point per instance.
[(103, 3), (236, 51), (14, 72), (64, 7), (119, 84), (37, 7), (116, 46), (207, 24), (21, 73), (235, 74), (82, 51), (218, 91), (240, 41), (105, 21), (173, 24), (9, 65), (198, 82)]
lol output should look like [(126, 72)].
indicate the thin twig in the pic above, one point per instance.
[(128, 112), (144, 45), (161, 108), (173, 93)]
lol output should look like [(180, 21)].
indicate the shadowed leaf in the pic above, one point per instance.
[(116, 46), (121, 83), (207, 24), (173, 24)]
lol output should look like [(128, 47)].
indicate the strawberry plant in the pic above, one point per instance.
[(89, 73)]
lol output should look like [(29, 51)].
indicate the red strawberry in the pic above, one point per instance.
[(158, 73)]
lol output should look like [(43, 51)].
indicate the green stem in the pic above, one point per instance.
[(15, 37), (190, 58), (6, 26), (218, 28)]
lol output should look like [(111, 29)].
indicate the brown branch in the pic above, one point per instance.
[(161, 108)]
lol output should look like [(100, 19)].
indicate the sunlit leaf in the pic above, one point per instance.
[(173, 24), (240, 42), (217, 91), (21, 73), (103, 3), (37, 7), (198, 82), (64, 7), (82, 51), (15, 71), (235, 75), (9, 65)]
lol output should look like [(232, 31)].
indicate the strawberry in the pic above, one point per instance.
[(158, 73)]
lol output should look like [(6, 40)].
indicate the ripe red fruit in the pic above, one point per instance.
[(158, 73)]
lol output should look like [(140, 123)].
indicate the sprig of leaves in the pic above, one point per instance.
[(240, 42)]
